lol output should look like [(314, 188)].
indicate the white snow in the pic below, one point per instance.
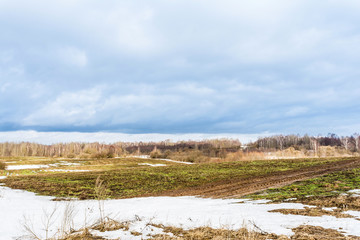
[(20, 167), (3, 177), (64, 163), (136, 225), (152, 165), (66, 170), (186, 212), (162, 159), (170, 160), (329, 208), (353, 213), (355, 191), (139, 156)]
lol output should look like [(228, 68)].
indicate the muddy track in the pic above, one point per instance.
[(239, 187)]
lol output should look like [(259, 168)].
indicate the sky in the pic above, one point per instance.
[(180, 67)]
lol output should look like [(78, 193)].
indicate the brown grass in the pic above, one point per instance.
[(313, 212), (207, 233), (343, 202), (2, 165), (109, 224), (319, 233)]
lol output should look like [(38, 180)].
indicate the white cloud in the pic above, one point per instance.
[(108, 137), (76, 108), (296, 111), (73, 56), (184, 64)]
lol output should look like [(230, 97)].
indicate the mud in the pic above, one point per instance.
[(237, 188)]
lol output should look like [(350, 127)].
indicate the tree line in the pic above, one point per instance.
[(211, 148), (217, 148), (306, 142)]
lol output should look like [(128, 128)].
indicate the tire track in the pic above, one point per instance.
[(240, 187)]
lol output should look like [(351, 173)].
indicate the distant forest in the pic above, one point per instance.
[(281, 142), (218, 148)]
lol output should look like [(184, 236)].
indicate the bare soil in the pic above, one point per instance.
[(236, 188)]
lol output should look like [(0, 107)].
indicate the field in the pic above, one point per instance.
[(319, 183), (131, 178)]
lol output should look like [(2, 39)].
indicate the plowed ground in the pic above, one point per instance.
[(236, 188), (216, 180)]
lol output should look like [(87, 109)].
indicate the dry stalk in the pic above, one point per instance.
[(100, 196)]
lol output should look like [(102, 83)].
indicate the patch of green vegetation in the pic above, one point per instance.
[(146, 180), (328, 185), (76, 164)]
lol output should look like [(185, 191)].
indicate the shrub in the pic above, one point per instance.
[(156, 154), (2, 165)]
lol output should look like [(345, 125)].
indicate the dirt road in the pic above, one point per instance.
[(239, 187)]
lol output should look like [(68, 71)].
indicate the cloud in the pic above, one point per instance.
[(73, 56), (68, 108), (104, 137), (296, 111), (179, 66)]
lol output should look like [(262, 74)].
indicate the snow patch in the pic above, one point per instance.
[(356, 191), (185, 212), (66, 170), (353, 213), (170, 160), (20, 167), (152, 165)]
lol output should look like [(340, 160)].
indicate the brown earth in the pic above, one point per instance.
[(236, 188)]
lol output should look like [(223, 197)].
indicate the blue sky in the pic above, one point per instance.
[(180, 66)]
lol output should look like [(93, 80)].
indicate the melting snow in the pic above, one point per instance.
[(20, 167), (186, 212), (356, 191), (170, 160), (153, 165), (66, 170)]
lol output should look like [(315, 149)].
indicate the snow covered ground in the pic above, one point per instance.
[(153, 165), (163, 159), (38, 166), (19, 207), (66, 170), (20, 167)]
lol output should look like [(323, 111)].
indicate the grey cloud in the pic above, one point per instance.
[(179, 66)]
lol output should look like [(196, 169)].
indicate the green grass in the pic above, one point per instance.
[(84, 164), (328, 185), (144, 181)]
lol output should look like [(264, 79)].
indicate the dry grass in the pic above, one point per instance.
[(313, 212), (83, 234), (318, 233), (343, 202), (2, 165), (207, 233), (150, 181), (109, 224)]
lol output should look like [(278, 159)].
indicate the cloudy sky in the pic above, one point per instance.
[(189, 66)]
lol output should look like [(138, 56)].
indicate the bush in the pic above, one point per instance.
[(156, 154), (2, 165)]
